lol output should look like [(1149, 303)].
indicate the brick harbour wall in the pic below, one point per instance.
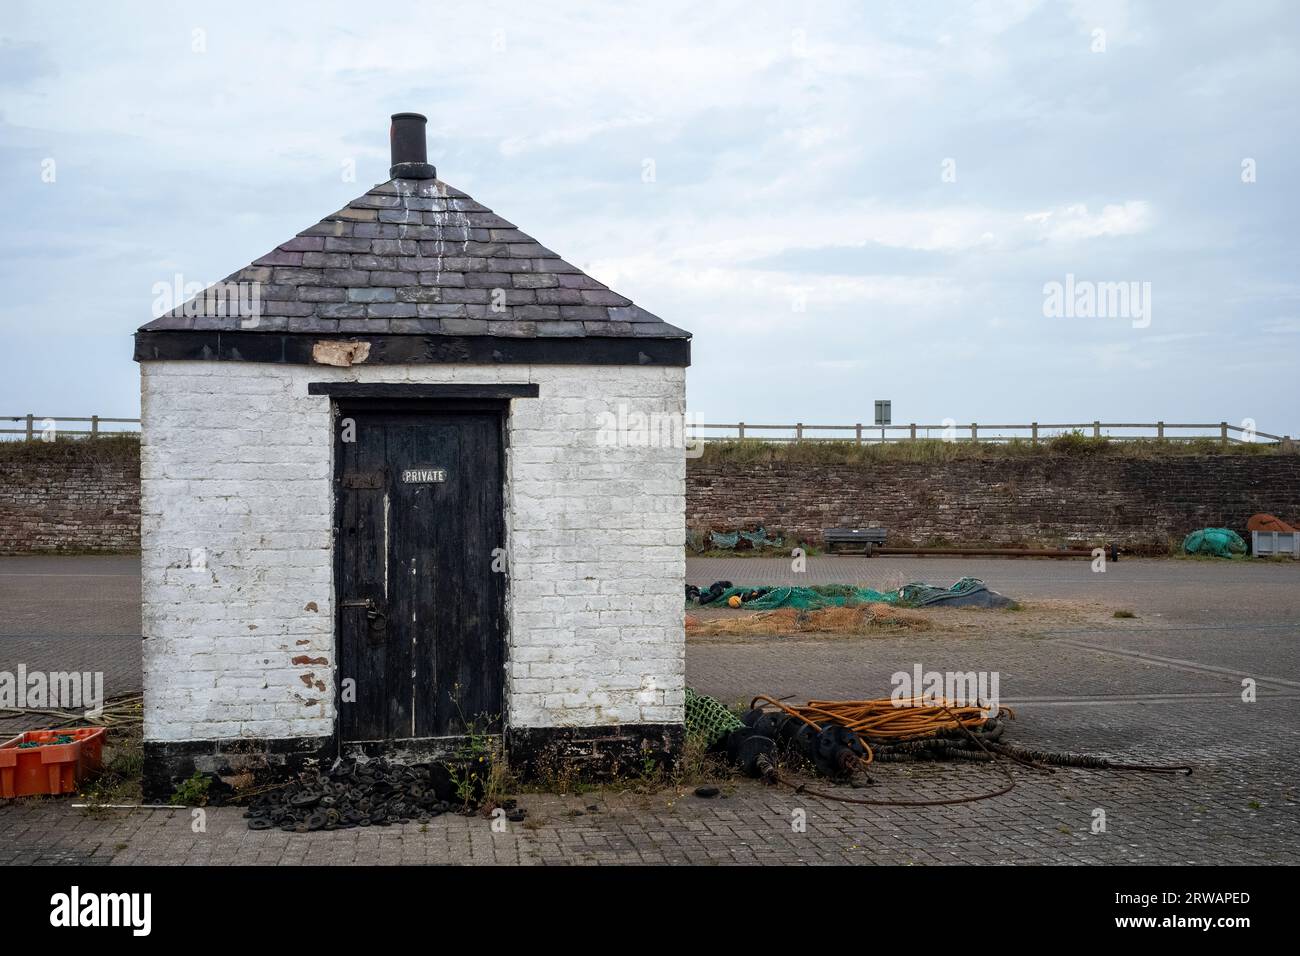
[(1144, 504), (70, 501), (87, 503)]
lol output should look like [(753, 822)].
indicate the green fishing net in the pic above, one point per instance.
[(707, 720), (1220, 542), (847, 595)]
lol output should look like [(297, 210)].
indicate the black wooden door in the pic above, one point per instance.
[(420, 593)]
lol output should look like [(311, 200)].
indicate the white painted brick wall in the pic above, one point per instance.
[(236, 460)]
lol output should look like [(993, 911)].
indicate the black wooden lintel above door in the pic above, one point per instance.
[(422, 390)]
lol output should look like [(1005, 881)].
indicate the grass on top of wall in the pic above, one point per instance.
[(104, 449), (749, 450)]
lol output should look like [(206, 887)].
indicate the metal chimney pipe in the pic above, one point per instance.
[(409, 155)]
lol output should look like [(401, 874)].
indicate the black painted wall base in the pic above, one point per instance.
[(239, 764), (593, 752)]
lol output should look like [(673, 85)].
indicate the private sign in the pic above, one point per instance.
[(423, 476)]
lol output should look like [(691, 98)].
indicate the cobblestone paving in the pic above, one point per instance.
[(1237, 808), (79, 613), (1205, 628)]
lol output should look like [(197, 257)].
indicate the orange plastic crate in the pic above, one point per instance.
[(51, 768)]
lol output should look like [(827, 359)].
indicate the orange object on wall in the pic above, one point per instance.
[(50, 768), (1267, 522)]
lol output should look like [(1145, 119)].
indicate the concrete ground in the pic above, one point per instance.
[(78, 613), (1164, 687)]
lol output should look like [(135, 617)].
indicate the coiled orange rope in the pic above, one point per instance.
[(886, 720)]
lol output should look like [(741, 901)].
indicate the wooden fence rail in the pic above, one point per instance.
[(860, 432), (33, 426)]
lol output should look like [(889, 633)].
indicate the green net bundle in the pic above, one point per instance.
[(809, 598), (730, 540), (1220, 542), (707, 720), (847, 595)]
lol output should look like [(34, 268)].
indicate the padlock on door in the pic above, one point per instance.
[(376, 620)]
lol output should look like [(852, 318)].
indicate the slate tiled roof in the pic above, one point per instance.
[(421, 257)]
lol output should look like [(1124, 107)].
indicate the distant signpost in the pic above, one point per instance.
[(884, 410)]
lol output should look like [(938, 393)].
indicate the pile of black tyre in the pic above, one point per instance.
[(362, 794)]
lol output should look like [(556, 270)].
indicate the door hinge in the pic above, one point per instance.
[(371, 480)]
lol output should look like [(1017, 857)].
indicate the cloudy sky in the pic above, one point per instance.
[(842, 201)]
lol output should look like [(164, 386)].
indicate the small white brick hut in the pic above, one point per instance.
[(384, 494)]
